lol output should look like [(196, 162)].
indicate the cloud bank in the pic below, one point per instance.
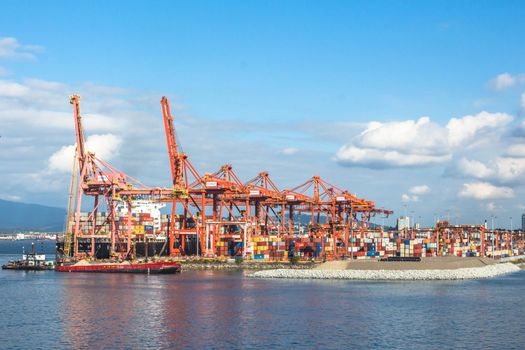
[(421, 142)]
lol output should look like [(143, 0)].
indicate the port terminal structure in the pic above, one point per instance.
[(208, 212), (218, 215)]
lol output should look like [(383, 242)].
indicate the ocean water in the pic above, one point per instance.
[(229, 310)]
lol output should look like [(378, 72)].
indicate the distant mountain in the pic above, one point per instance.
[(22, 216)]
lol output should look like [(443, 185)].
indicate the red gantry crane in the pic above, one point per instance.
[(206, 211)]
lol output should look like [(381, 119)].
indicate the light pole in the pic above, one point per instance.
[(492, 238), (511, 242), (407, 223), (412, 224)]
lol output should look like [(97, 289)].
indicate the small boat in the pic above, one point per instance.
[(30, 262), (152, 267)]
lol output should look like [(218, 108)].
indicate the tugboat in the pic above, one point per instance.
[(30, 262)]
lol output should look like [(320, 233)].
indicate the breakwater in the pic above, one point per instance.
[(456, 274)]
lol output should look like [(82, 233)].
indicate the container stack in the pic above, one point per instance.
[(221, 247), (268, 247), (309, 248)]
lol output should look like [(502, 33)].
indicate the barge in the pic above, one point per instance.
[(153, 267)]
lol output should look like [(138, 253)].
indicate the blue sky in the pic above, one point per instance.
[(279, 86)]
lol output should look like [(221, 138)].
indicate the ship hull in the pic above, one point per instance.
[(27, 268)]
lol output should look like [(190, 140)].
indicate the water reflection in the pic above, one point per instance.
[(227, 310)]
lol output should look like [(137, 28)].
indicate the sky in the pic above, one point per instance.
[(418, 106)]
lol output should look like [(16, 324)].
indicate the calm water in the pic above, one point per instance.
[(218, 310)]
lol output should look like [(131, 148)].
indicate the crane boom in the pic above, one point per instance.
[(176, 158), (81, 148)]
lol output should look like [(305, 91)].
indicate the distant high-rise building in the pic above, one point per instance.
[(523, 222), (404, 222)]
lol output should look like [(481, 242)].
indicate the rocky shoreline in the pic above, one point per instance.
[(487, 271)]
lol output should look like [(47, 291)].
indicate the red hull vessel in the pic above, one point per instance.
[(146, 267)]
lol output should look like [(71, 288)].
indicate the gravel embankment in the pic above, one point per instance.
[(457, 274)]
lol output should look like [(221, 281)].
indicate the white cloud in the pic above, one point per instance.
[(501, 169), (419, 142), (375, 158), (289, 151), (12, 89), (44, 104), (397, 144), (50, 119), (491, 206), (509, 169), (516, 150), (462, 130), (62, 160), (485, 190), (502, 81), (414, 192), (104, 146), (505, 81), (474, 168), (11, 48), (402, 136), (420, 189), (405, 198)]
